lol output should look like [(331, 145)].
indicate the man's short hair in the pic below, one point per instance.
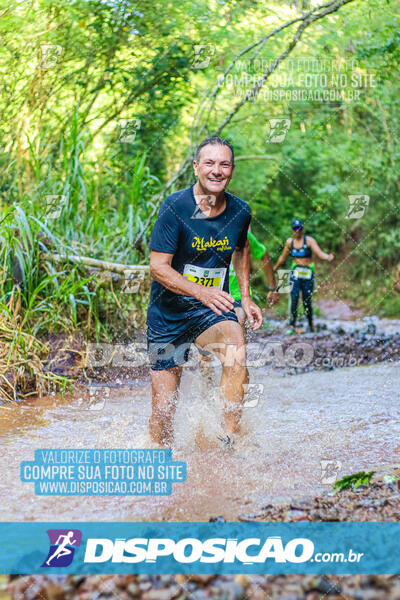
[(214, 140)]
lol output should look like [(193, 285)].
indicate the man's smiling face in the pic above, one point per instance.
[(214, 169)]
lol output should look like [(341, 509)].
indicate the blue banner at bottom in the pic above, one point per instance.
[(277, 548)]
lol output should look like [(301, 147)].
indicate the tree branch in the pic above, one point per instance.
[(306, 20)]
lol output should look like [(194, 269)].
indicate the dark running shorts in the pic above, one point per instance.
[(173, 349)]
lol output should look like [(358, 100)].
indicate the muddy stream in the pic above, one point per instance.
[(349, 416)]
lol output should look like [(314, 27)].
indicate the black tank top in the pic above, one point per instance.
[(303, 252)]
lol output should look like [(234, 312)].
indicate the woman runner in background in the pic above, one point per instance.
[(302, 270)]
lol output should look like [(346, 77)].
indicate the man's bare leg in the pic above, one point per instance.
[(164, 398), (205, 361), (226, 341), (206, 367)]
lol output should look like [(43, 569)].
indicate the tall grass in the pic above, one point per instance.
[(103, 202), (102, 206), (23, 358), (56, 198), (48, 298)]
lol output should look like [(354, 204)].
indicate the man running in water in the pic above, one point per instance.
[(197, 232), (302, 270)]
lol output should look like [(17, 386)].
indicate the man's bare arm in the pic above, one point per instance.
[(273, 297), (241, 264), (285, 253), (269, 270)]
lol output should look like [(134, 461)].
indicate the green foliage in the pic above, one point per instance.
[(352, 482), (61, 135), (50, 298), (332, 150)]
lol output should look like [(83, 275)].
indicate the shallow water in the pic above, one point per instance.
[(348, 416)]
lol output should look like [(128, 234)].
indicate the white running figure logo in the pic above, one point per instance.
[(62, 550)]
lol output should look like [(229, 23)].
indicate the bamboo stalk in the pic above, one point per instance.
[(99, 264)]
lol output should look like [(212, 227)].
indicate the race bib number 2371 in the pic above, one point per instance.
[(204, 276)]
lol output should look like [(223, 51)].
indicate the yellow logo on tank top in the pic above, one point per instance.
[(219, 245)]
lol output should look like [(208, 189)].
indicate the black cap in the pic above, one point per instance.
[(297, 224)]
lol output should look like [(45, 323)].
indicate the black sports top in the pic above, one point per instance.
[(303, 252), (202, 249)]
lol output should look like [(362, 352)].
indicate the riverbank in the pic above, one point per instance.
[(337, 343), (344, 338)]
